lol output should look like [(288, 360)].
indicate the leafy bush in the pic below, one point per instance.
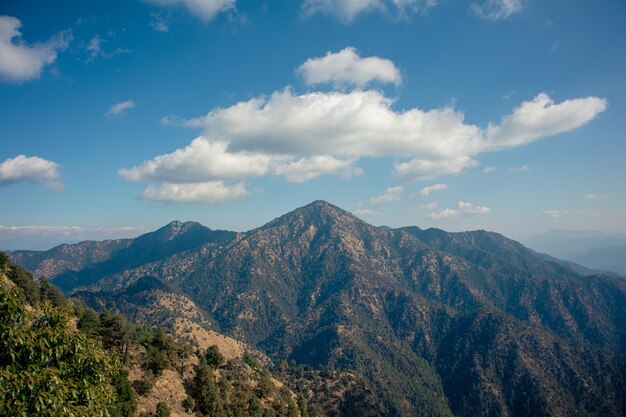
[(49, 369)]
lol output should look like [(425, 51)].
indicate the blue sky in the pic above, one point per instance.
[(118, 117)]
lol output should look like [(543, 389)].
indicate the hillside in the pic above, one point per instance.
[(58, 358), (429, 322)]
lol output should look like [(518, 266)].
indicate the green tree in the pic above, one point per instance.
[(204, 390), (213, 356), (88, 320), (24, 280), (162, 410), (48, 369), (50, 292), (117, 333)]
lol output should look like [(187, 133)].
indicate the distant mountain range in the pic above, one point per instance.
[(433, 323), (593, 249)]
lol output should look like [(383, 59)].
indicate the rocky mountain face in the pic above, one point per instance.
[(433, 323)]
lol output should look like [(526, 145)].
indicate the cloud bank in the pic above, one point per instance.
[(20, 61), (303, 136)]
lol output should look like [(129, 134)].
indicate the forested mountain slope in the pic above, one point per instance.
[(432, 323)]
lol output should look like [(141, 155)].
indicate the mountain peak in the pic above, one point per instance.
[(317, 212), (176, 228)]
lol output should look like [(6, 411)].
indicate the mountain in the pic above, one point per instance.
[(87, 262), (596, 250), (612, 258), (432, 323)]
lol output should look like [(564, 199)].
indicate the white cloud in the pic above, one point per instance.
[(119, 108), (347, 67), (347, 10), (462, 209), (305, 169), (363, 123), (392, 194), (424, 169), (468, 208), (497, 9), (204, 9), (555, 214), (487, 170), (303, 136), (95, 49), (30, 169), (201, 161), (365, 212), (20, 61), (207, 192), (444, 214), (541, 117), (523, 168), (432, 188), (590, 196)]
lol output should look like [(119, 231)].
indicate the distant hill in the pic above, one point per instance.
[(599, 251), (428, 322)]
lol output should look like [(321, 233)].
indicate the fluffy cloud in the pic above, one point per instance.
[(20, 61), (348, 10), (555, 214), (201, 161), (462, 209), (488, 170), (444, 214), (497, 9), (468, 208), (432, 188), (590, 196), (204, 9), (347, 67), (424, 169), (118, 108), (29, 169), (301, 137), (305, 169), (207, 192), (392, 194), (541, 117)]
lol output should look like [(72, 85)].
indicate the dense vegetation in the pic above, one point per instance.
[(426, 322), (47, 368), (58, 358)]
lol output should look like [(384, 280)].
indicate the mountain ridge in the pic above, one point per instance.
[(407, 309)]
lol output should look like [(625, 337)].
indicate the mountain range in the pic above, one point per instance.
[(430, 323), (600, 251)]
